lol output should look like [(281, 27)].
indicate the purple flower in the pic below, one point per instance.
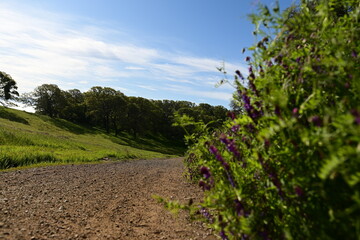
[(295, 112), (317, 121), (231, 180), (298, 60), (205, 172), (235, 128), (230, 145), (231, 115), (239, 74), (247, 59), (354, 54), (203, 211), (204, 185), (223, 235), (245, 98), (214, 151)]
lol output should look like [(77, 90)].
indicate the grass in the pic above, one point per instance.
[(28, 139)]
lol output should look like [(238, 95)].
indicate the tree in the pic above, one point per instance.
[(119, 112), (49, 100), (103, 106), (75, 109), (8, 88)]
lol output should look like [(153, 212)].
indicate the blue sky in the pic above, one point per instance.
[(157, 49)]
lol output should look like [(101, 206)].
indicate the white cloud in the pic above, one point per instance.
[(134, 68), (215, 94), (38, 47), (147, 87)]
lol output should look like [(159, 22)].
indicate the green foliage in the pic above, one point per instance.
[(116, 113), (288, 166), (8, 88)]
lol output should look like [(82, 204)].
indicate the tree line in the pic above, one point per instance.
[(113, 111)]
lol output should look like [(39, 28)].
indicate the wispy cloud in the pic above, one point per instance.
[(212, 94), (39, 47)]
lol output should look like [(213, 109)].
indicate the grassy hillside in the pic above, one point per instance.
[(27, 139)]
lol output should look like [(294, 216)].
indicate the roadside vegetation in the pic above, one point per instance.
[(286, 165)]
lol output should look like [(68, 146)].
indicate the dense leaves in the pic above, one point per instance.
[(287, 165), (114, 112)]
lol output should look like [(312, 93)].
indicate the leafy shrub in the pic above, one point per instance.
[(287, 166)]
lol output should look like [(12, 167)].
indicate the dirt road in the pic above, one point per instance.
[(97, 201)]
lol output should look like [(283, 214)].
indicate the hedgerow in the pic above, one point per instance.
[(287, 164)]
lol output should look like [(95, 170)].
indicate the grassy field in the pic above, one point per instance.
[(31, 139)]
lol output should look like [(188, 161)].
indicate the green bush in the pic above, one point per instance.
[(287, 165)]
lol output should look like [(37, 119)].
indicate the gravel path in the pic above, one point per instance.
[(97, 201)]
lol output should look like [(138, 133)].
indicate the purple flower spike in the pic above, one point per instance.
[(231, 180), (214, 151), (239, 74), (245, 98), (230, 145)]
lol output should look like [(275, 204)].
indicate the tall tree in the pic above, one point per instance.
[(8, 88), (75, 109), (103, 104)]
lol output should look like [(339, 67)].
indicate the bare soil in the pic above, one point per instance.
[(97, 201)]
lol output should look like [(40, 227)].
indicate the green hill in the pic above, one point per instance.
[(32, 139)]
